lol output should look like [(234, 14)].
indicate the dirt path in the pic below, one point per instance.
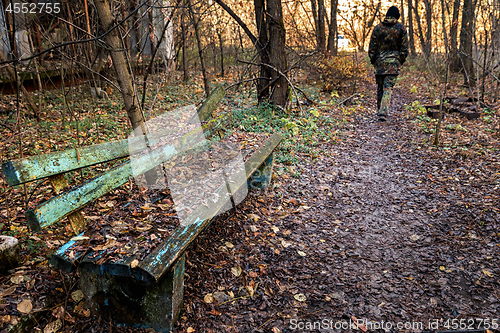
[(375, 229)]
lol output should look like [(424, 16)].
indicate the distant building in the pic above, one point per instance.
[(342, 43)]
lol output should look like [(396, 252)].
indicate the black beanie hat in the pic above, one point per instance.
[(393, 12)]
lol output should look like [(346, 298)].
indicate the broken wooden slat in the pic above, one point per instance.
[(165, 255)]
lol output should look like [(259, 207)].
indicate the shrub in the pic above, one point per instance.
[(341, 73)]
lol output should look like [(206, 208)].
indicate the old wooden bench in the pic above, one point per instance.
[(141, 293)]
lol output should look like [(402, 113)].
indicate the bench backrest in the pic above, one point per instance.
[(54, 165)]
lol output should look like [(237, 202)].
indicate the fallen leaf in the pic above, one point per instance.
[(253, 274), (441, 268), (252, 288), (79, 238), (414, 237), (30, 284), (58, 313), (144, 228), (53, 326), (236, 271), (285, 244), (25, 306), (16, 279), (134, 263), (301, 253), (275, 229), (109, 244), (77, 296), (488, 274), (229, 245), (361, 326), (254, 217), (8, 291), (4, 319), (209, 298), (300, 297), (190, 330)]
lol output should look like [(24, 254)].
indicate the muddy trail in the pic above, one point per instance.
[(382, 228)]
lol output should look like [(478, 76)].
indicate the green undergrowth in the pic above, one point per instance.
[(303, 132)]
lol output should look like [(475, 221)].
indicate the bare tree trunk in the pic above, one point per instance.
[(279, 94), (423, 42), (321, 25), (466, 34), (119, 62), (428, 32), (443, 26), (183, 36), (221, 47), (332, 34), (206, 79), (314, 9), (455, 60), (403, 12), (19, 85), (265, 72), (411, 34)]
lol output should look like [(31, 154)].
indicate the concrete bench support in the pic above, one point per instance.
[(134, 303)]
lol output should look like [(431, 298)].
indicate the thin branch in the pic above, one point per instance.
[(484, 69), (281, 74)]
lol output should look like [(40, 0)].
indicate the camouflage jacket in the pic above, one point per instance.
[(388, 47)]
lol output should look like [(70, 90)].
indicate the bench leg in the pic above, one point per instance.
[(263, 175), (131, 303)]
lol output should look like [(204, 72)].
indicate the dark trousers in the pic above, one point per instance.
[(385, 83)]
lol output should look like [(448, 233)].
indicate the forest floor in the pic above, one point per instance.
[(374, 223)]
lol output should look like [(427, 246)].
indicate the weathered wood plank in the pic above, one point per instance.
[(68, 202), (32, 168), (166, 254)]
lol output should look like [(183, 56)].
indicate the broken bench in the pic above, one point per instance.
[(141, 289)]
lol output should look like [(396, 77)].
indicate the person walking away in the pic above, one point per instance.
[(388, 51)]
